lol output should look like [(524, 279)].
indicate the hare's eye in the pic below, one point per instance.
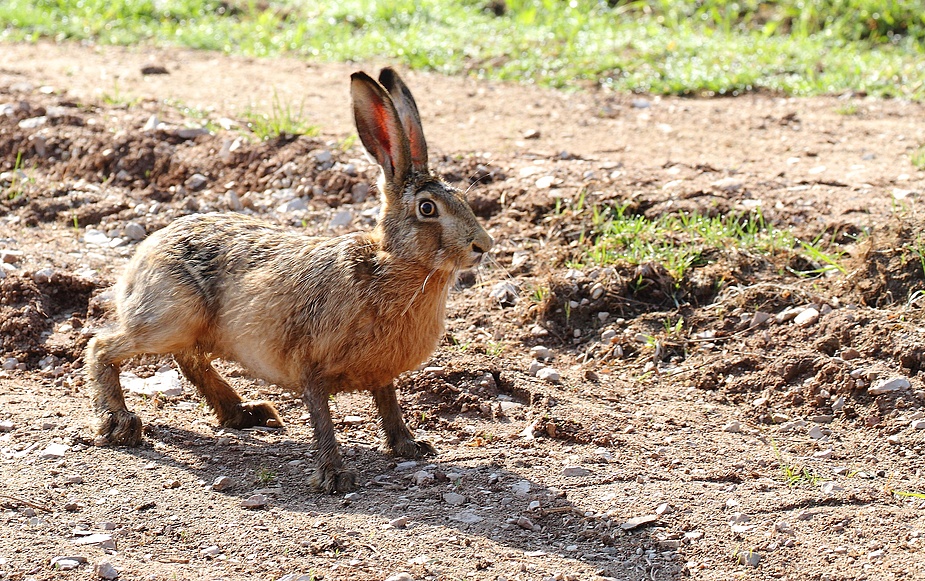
[(427, 208)]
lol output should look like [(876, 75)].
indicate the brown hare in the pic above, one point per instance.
[(314, 315)]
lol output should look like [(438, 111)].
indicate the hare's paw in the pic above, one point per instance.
[(121, 428), (410, 448), (253, 413), (329, 479)]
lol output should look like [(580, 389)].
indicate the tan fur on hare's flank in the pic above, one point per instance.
[(315, 315)]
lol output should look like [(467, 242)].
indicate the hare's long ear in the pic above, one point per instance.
[(380, 129), (408, 113)]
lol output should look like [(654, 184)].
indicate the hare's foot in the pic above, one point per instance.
[(411, 448), (252, 413), (120, 427), (330, 479)]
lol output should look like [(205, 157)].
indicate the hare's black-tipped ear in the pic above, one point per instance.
[(380, 128), (408, 113)]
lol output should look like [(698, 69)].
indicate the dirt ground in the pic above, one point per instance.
[(755, 440)]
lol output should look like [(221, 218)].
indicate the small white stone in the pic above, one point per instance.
[(733, 427), (7, 426), (43, 276), (54, 450), (222, 483), (254, 501), (807, 317), (406, 465), (323, 156), (525, 523), (830, 488), (545, 182), (399, 523), (608, 336), (134, 231), (548, 374), (890, 385), (521, 488), (916, 425), (574, 471), (816, 433), (597, 291), (400, 577), (541, 352), (423, 477), (454, 499), (749, 558)]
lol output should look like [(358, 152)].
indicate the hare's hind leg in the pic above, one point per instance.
[(104, 354), (231, 410), (399, 439)]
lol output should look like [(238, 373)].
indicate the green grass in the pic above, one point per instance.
[(680, 242), (918, 158), (282, 119), (706, 47)]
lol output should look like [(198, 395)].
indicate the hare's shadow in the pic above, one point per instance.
[(493, 502)]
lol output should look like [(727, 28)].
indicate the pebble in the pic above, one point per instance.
[(749, 558), (423, 477), (873, 555), (454, 498), (323, 156), (571, 471), (545, 182), (293, 205), (889, 385), (728, 184), (641, 104), (254, 501), (43, 276), (816, 433), (639, 521), (196, 182), (541, 352), (7, 425), (829, 488), (400, 577), (297, 577), (534, 505), (222, 483), (54, 450), (406, 465), (73, 479), (164, 381), (525, 523), (67, 563), (399, 523), (597, 291), (850, 353), (341, 219), (916, 425), (505, 292), (211, 551), (733, 427), (521, 488), (807, 317), (11, 256), (784, 527), (134, 231), (105, 570), (548, 374), (608, 336), (467, 517), (101, 539)]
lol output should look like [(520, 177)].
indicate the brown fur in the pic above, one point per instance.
[(314, 315)]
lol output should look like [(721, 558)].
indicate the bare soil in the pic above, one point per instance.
[(743, 439)]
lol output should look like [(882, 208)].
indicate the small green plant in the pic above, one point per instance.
[(673, 328), (539, 294), (494, 348), (265, 475), (918, 158), (15, 189), (847, 109), (795, 475), (282, 119), (117, 98)]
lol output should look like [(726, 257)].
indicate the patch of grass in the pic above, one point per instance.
[(918, 158), (116, 98), (799, 475), (282, 119), (680, 242), (663, 46), (265, 475), (15, 189)]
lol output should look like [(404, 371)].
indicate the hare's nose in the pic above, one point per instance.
[(477, 248)]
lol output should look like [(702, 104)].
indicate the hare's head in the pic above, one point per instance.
[(423, 219)]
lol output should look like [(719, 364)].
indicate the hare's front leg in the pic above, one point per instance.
[(330, 475), (114, 422), (399, 439)]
